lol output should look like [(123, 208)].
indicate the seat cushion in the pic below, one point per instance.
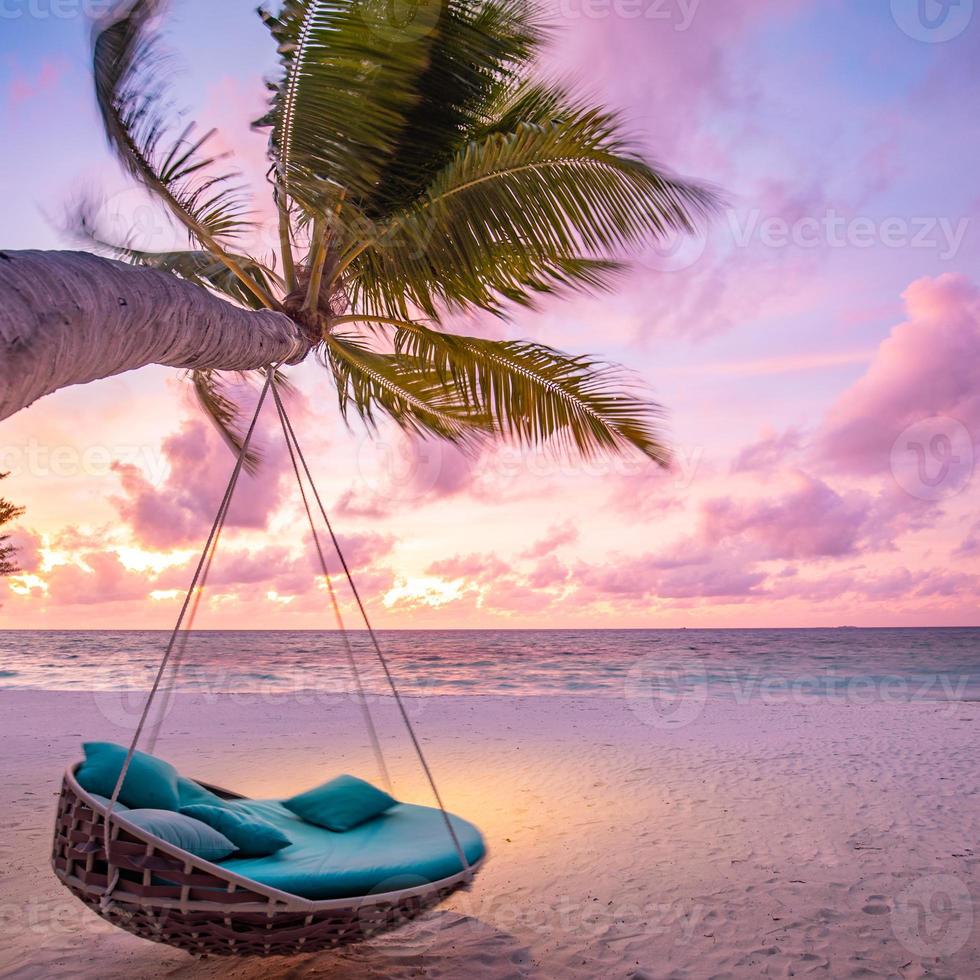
[(185, 832), (406, 846), (253, 837), (194, 794), (341, 804), (150, 782), (105, 801)]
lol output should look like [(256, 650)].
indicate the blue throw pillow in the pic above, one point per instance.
[(252, 837), (188, 834), (194, 794), (342, 804), (150, 782)]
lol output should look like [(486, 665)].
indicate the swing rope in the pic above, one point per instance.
[(196, 587), (362, 697), (291, 435), (215, 529)]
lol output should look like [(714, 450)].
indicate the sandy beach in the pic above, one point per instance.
[(816, 839)]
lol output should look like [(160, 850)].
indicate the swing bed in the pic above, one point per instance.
[(326, 890)]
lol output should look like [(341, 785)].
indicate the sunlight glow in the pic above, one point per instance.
[(425, 590)]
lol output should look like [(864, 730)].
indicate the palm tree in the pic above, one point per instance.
[(8, 512), (419, 172)]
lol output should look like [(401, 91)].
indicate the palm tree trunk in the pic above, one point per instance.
[(71, 317)]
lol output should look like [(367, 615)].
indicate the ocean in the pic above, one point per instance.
[(857, 664)]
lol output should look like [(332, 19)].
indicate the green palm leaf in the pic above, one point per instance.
[(410, 393), (173, 164), (539, 396), (341, 100), (513, 205), (195, 265)]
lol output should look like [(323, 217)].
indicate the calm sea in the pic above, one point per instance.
[(901, 664)]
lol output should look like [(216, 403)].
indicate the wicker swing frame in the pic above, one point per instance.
[(204, 908), (157, 891)]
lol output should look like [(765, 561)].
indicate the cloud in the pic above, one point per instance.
[(27, 545), (472, 568), (181, 509), (811, 520), (769, 453), (557, 536), (25, 85), (700, 575), (926, 368), (398, 472)]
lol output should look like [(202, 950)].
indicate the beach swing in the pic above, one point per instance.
[(326, 889)]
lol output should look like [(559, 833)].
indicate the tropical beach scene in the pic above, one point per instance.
[(488, 489)]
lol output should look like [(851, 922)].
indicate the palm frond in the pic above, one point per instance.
[(511, 207), (174, 164), (346, 86), (412, 395), (195, 265), (212, 391), (540, 396), (478, 50)]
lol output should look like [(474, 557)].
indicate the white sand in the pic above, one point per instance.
[(758, 840)]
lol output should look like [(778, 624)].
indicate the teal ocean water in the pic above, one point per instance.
[(899, 664)]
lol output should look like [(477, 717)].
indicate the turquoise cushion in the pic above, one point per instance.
[(252, 837), (340, 805), (150, 782), (404, 847), (184, 832), (194, 794), (105, 801)]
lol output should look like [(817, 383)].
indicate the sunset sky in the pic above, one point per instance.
[(817, 351)]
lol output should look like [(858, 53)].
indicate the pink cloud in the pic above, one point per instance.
[(27, 85), (548, 573), (700, 576), (108, 581), (473, 568), (408, 472), (27, 556), (181, 509), (769, 453), (558, 535), (926, 368), (810, 521)]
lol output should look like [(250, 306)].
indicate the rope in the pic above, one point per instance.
[(200, 575), (215, 529), (178, 660), (362, 697), (290, 434)]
